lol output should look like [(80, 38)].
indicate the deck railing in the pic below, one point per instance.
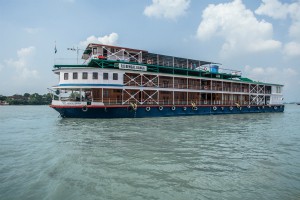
[(115, 101), (177, 102), (195, 87)]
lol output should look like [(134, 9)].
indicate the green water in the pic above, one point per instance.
[(249, 156)]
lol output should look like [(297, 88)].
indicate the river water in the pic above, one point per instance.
[(248, 156)]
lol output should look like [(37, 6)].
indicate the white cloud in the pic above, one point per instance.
[(22, 63), (32, 30), (110, 39), (294, 30), (278, 10), (239, 28), (273, 8), (169, 9), (294, 11), (286, 75), (292, 49)]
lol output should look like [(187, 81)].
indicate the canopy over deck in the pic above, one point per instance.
[(140, 56)]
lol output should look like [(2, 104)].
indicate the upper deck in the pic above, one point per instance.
[(107, 56)]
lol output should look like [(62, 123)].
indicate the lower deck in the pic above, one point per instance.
[(109, 96)]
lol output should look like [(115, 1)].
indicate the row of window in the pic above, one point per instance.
[(95, 76)]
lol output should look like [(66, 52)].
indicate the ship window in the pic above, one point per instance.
[(66, 76), (84, 75), (95, 75), (105, 76), (115, 76), (75, 75)]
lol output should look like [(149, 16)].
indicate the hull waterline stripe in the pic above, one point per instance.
[(152, 106)]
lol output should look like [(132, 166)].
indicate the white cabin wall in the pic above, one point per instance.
[(277, 89), (277, 95), (276, 99), (100, 51)]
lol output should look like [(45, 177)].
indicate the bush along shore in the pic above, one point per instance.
[(26, 99)]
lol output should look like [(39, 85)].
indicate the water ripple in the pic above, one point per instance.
[(246, 156)]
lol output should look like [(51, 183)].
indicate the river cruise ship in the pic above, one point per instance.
[(119, 82)]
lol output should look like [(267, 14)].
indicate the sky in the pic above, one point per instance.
[(259, 37)]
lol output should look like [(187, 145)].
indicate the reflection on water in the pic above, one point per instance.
[(250, 156)]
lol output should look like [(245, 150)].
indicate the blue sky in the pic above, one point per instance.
[(259, 37)]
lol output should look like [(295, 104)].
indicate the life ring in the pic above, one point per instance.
[(215, 108), (160, 108), (84, 108), (184, 108), (173, 107), (275, 107), (148, 109), (231, 108), (195, 108), (248, 106)]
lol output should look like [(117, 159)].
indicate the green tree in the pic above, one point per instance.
[(27, 95), (3, 98), (28, 99), (35, 99), (47, 98)]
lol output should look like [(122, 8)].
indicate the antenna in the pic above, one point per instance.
[(77, 51)]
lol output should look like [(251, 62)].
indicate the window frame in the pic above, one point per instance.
[(66, 76), (83, 75), (75, 75), (95, 75), (115, 76), (105, 76)]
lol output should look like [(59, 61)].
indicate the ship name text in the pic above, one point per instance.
[(132, 67)]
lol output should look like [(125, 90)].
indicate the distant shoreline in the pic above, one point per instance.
[(26, 105), (26, 99)]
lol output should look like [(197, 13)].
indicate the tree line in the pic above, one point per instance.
[(27, 99)]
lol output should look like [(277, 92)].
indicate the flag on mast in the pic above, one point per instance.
[(55, 49)]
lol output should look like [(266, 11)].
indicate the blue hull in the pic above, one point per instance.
[(166, 111)]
